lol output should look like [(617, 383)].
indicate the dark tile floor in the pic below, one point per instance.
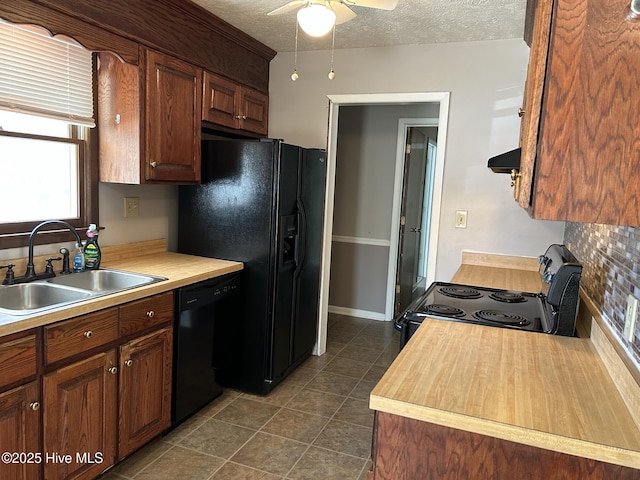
[(315, 425)]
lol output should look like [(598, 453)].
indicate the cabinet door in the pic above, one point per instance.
[(145, 389), (221, 101), (172, 123), (79, 417), (254, 111), (533, 99), (20, 432)]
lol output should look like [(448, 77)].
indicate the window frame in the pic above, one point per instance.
[(16, 235)]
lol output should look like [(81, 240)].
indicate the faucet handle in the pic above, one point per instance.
[(10, 276), (49, 267)]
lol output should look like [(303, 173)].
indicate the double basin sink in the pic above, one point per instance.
[(41, 295)]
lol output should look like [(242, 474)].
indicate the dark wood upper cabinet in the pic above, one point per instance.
[(149, 120), (580, 134), (232, 105)]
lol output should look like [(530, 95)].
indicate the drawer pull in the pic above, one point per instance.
[(34, 406), (151, 314), (128, 363), (113, 370), (88, 334)]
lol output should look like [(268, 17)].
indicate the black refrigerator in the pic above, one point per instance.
[(261, 202)]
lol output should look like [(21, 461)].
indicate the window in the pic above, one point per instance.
[(47, 160)]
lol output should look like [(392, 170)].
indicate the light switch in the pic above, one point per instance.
[(461, 219)]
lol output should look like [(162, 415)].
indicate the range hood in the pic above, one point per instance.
[(505, 162)]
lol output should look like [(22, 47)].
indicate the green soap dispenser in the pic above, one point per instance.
[(92, 249)]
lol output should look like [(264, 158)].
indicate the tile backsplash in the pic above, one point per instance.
[(610, 256)]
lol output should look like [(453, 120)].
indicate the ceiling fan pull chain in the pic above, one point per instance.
[(332, 74), (294, 75)]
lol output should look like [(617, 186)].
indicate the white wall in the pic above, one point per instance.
[(158, 214), (158, 218), (486, 81)]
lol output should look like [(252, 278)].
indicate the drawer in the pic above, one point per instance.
[(17, 359), (80, 334), (145, 313)]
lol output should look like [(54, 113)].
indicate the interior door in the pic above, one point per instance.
[(409, 284)]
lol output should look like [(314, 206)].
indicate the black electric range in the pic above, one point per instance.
[(552, 311)]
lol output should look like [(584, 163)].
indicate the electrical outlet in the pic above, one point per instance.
[(461, 219), (630, 317), (131, 207)]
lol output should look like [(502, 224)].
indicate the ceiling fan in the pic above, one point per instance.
[(317, 17)]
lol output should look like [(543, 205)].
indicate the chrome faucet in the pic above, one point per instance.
[(30, 273)]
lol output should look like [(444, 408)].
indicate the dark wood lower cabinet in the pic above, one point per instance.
[(407, 449), (79, 418), (20, 433), (145, 390)]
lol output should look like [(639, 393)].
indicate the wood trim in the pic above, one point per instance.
[(178, 28), (500, 261), (90, 36)]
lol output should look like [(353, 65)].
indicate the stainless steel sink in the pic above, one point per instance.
[(105, 280), (28, 298), (34, 297)]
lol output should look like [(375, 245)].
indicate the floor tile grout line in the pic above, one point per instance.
[(371, 365)]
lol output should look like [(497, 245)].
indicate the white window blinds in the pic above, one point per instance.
[(45, 76)]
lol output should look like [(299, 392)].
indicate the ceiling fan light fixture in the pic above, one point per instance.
[(316, 20)]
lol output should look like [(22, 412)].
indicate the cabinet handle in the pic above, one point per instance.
[(128, 363), (88, 334), (521, 112), (151, 314), (113, 370), (238, 117), (153, 164), (34, 406), (244, 117)]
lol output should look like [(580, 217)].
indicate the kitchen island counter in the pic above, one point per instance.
[(179, 270), (535, 389)]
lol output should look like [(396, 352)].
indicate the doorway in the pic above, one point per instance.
[(335, 102)]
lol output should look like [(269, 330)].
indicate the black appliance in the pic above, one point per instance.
[(261, 202), (505, 162), (552, 311), (204, 311)]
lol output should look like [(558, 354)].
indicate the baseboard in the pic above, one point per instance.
[(352, 312)]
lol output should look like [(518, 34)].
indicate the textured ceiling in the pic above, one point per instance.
[(412, 22)]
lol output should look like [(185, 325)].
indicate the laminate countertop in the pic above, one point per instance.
[(541, 390), (179, 270)]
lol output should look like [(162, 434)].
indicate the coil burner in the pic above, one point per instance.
[(507, 296), (443, 310), (503, 318), (460, 291)]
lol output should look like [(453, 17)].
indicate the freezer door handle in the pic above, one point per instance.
[(301, 249)]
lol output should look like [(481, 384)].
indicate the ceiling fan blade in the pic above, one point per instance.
[(381, 4), (289, 7), (343, 13)]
